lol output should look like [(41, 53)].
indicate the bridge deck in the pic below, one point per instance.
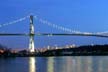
[(53, 34)]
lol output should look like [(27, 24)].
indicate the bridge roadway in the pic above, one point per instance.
[(53, 34)]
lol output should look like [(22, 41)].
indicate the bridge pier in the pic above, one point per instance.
[(31, 35)]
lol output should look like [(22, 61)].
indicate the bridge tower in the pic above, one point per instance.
[(31, 35)]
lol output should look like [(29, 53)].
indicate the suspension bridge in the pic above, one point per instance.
[(32, 33)]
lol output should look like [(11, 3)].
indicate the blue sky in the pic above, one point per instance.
[(82, 15)]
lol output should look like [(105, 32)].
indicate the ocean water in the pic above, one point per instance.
[(55, 64)]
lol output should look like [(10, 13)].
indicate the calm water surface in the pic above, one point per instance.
[(55, 64)]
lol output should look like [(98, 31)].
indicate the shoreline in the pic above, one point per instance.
[(96, 50)]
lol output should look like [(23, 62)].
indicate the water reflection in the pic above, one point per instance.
[(32, 67), (55, 64), (68, 64), (50, 64), (60, 64), (83, 64), (64, 64)]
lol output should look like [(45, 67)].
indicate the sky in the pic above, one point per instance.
[(80, 15)]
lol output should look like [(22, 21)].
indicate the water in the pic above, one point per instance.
[(55, 64)]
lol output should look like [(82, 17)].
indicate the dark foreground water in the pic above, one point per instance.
[(55, 64)]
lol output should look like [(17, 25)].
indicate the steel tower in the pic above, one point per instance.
[(31, 35)]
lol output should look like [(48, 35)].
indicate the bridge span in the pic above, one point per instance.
[(54, 34), (32, 32)]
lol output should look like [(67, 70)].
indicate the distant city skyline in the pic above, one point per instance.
[(85, 16)]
